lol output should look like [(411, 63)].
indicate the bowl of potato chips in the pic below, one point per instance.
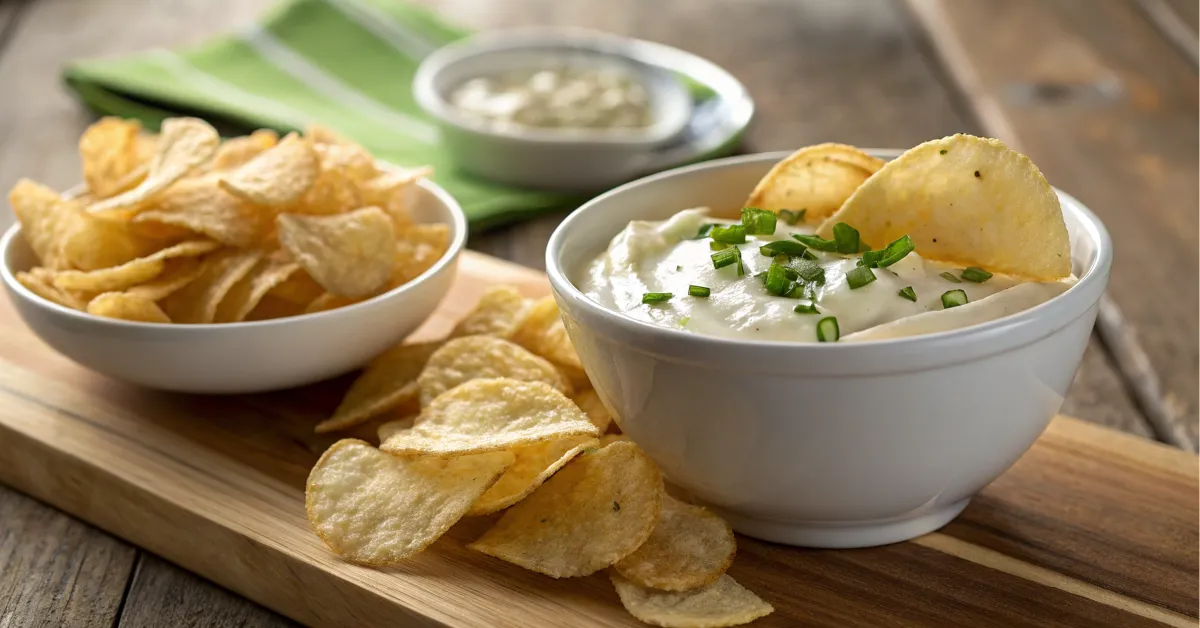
[(190, 263)]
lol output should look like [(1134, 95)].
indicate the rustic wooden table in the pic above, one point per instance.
[(1101, 94)]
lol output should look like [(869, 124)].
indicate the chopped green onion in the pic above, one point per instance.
[(976, 274), (806, 308), (949, 277), (859, 277), (845, 238), (758, 221), (738, 254), (802, 289), (718, 246), (731, 234), (953, 298), (777, 281), (704, 229), (792, 217), (888, 255), (782, 247), (808, 271), (818, 243), (725, 257), (908, 293), (656, 297), (827, 329), (684, 321), (698, 291), (809, 255)]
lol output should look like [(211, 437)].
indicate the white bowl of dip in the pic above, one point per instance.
[(849, 444)]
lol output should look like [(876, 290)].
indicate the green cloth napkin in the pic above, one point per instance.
[(347, 64)]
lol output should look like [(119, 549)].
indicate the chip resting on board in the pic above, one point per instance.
[(689, 548), (498, 312), (595, 511), (372, 508), (183, 144), (542, 332), (350, 255), (278, 175), (815, 179), (722, 603), (130, 307), (483, 357), (385, 431), (489, 415), (964, 200), (534, 465), (387, 383), (589, 402)]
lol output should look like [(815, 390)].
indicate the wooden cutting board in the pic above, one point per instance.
[(1091, 528)]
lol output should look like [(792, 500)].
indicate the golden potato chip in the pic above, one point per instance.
[(483, 357), (108, 150), (125, 306), (200, 205), (497, 313), (350, 254), (236, 151), (249, 290), (347, 159), (817, 179), (690, 547), (395, 190), (45, 218), (178, 273), (387, 383), (299, 289), (196, 303), (488, 415), (968, 201), (375, 509), (418, 248), (131, 273), (183, 144), (722, 603), (609, 439), (542, 332), (328, 301), (590, 403), (41, 285), (386, 430), (332, 193), (595, 511), (92, 242), (273, 307), (533, 466), (321, 134), (278, 175)]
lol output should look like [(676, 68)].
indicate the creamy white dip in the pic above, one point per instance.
[(655, 257)]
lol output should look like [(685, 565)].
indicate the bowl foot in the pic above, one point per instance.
[(843, 534)]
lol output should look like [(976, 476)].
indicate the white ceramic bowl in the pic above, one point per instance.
[(823, 444), (241, 357)]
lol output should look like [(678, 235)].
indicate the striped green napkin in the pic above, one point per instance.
[(347, 64)]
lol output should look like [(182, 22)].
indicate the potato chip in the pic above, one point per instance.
[(200, 205), (328, 301), (497, 313), (722, 603), (348, 254), (178, 273), (609, 439), (817, 179), (387, 383), (45, 218), (375, 509), (332, 193), (968, 201), (196, 303), (395, 191), (595, 511), (533, 466), (236, 151), (386, 430), (543, 333), (690, 547), (299, 289), (347, 159), (249, 290), (131, 273), (278, 175), (183, 144), (125, 306), (418, 248), (108, 150), (321, 134), (92, 242), (483, 357), (488, 415), (590, 403), (273, 307), (41, 285)]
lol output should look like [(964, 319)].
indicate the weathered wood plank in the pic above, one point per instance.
[(162, 594), (1177, 21), (1107, 108), (56, 570)]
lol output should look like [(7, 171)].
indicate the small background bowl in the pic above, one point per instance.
[(245, 357), (823, 444)]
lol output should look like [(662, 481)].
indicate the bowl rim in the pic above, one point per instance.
[(1092, 280), (648, 55), (458, 221)]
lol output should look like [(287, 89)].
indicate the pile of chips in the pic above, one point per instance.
[(182, 227), (500, 417)]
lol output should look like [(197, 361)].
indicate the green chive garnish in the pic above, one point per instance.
[(777, 281), (888, 255), (718, 246), (758, 221), (656, 297), (792, 217), (953, 298), (738, 254), (949, 277), (704, 230), (731, 234), (698, 291), (976, 274), (859, 277), (814, 242), (783, 247), (827, 329), (684, 321), (845, 238), (806, 308), (809, 255), (908, 293), (725, 257)]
